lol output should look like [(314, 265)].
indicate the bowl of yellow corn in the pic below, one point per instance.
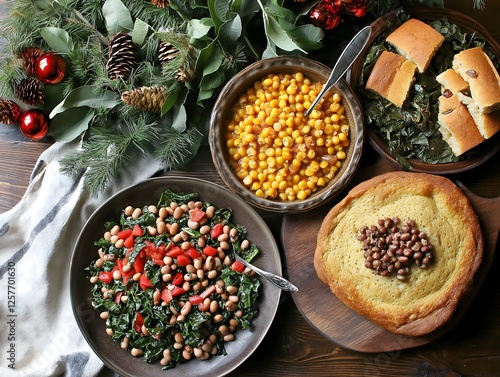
[(272, 155)]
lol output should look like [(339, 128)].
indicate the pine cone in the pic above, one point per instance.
[(149, 98), (184, 75), (161, 3), (122, 58), (9, 111), (166, 52), (30, 57), (29, 90)]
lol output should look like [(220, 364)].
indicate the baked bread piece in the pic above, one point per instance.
[(452, 81), (428, 299), (392, 77), (488, 124), (457, 126), (475, 67), (416, 41)]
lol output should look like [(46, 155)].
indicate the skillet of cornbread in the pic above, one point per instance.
[(427, 299)]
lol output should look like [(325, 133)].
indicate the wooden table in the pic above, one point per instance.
[(292, 346)]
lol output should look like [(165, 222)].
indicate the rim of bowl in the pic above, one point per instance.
[(484, 151), (231, 92)]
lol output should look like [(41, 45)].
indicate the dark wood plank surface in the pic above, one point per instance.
[(293, 347)]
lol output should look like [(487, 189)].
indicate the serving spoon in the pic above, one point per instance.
[(346, 59), (278, 281)]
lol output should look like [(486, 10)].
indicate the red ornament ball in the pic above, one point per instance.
[(34, 124), (326, 15), (356, 8), (51, 68)]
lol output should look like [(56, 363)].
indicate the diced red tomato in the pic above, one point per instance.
[(106, 276), (197, 214), (144, 282), (166, 295), (161, 249), (138, 322), (195, 299), (177, 291), (149, 248), (174, 251), (210, 251), (139, 264), (129, 241), (238, 266), (183, 260), (137, 231), (216, 230), (158, 261), (118, 296), (126, 276), (192, 253), (123, 234), (178, 279), (207, 292)]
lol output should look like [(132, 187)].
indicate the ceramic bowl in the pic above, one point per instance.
[(222, 113), (380, 26)]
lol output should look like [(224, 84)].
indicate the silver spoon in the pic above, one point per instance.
[(278, 281), (348, 56)]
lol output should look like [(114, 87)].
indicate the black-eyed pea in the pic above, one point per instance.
[(209, 263), (94, 279), (233, 322), (191, 268), (152, 231), (230, 306), (248, 271), (238, 313), (214, 306), (186, 286), (226, 229), (233, 235), (167, 277), (165, 269), (186, 309), (233, 298), (114, 230), (117, 275), (210, 212), (168, 261), (187, 354), (212, 274), (137, 276), (205, 229), (167, 354), (156, 297), (101, 253), (202, 241), (109, 331), (200, 274), (225, 245), (198, 263), (173, 320), (181, 318), (178, 213), (223, 330), (123, 298), (178, 337), (185, 208), (178, 345), (174, 229), (177, 238), (127, 267), (137, 212), (205, 283), (145, 330), (99, 263), (107, 235), (218, 263), (164, 361), (197, 352), (128, 211), (245, 244), (162, 212), (229, 337), (136, 352), (223, 237), (104, 315), (125, 342), (232, 289), (228, 261), (197, 286), (153, 209), (193, 224), (212, 338), (214, 351), (217, 318), (113, 239)]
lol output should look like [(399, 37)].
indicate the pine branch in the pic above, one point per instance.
[(176, 148)]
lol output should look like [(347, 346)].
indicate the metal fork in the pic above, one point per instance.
[(278, 281)]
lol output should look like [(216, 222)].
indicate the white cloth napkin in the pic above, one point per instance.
[(39, 335)]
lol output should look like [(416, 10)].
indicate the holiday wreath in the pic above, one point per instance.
[(130, 77)]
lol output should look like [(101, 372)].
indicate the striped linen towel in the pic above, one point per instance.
[(39, 335)]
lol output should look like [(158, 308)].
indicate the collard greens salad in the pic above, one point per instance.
[(412, 131), (166, 284)]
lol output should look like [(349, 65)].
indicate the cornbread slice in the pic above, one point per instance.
[(416, 41), (392, 77), (457, 125), (452, 81), (488, 124), (475, 67), (430, 296)]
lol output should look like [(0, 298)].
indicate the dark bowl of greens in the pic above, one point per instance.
[(92, 283), (409, 137)]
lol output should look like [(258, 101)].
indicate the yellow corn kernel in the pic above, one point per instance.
[(341, 155)]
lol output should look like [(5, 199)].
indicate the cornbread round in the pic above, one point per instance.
[(430, 296)]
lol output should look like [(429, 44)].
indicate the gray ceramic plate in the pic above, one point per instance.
[(148, 192)]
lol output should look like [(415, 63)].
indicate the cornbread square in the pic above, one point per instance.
[(416, 41), (392, 77)]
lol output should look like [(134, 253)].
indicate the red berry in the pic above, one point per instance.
[(34, 124)]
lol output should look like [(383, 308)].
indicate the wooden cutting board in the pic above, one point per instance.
[(332, 318)]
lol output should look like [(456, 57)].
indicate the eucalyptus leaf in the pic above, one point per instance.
[(69, 125), (172, 97), (117, 17), (199, 28), (140, 31), (218, 10), (179, 118), (280, 37), (231, 30), (86, 96), (58, 39)]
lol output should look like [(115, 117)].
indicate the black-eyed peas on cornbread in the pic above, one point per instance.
[(276, 151)]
